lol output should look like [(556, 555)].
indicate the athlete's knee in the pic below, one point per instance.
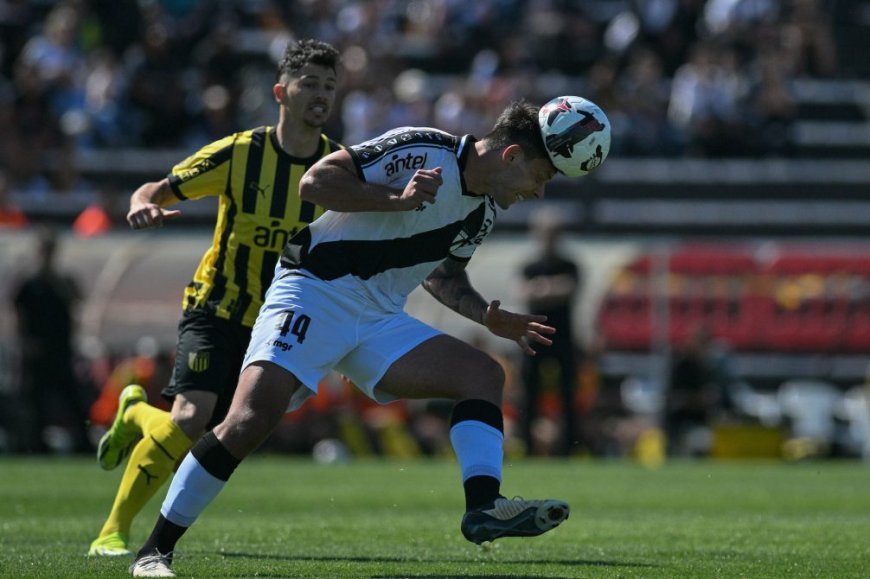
[(192, 414), (242, 431), (489, 372), (497, 373), (484, 379), (193, 429), (495, 379), (243, 428), (261, 398)]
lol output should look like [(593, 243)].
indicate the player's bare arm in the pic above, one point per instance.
[(450, 285), (148, 205), (334, 183)]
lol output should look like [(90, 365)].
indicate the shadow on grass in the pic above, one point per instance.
[(463, 576), (482, 559)]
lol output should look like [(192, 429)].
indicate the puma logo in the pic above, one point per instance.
[(148, 476)]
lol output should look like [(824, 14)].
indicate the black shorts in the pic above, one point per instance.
[(208, 357)]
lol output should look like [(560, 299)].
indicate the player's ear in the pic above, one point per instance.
[(278, 92), (512, 153)]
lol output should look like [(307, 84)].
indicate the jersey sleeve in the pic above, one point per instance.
[(393, 158), (205, 172)]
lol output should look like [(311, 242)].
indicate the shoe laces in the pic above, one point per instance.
[(505, 508), (155, 560)]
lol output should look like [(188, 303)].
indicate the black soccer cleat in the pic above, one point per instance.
[(515, 517)]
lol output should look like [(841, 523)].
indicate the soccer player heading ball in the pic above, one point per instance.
[(408, 207)]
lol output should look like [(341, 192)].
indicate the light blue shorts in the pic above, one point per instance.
[(309, 328)]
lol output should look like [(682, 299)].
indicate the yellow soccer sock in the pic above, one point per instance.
[(144, 417), (150, 464)]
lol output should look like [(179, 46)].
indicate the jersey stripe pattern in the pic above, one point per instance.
[(259, 209), (383, 256)]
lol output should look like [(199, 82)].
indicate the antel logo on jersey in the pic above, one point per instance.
[(407, 163), (273, 237)]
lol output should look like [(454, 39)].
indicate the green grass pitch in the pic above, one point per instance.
[(282, 517)]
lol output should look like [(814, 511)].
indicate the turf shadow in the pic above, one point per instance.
[(356, 559)]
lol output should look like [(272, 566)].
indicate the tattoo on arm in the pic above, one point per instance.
[(449, 284)]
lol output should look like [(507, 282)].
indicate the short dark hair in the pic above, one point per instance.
[(518, 125), (307, 51)]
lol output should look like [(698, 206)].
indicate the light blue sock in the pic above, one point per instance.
[(191, 491), (479, 449)]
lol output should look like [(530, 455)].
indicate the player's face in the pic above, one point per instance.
[(309, 95), (522, 179)]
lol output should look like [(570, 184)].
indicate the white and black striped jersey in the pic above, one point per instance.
[(383, 256)]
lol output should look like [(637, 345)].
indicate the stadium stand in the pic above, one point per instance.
[(80, 112), (796, 301)]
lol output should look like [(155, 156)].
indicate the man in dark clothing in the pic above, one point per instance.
[(550, 282), (44, 304), (692, 397)]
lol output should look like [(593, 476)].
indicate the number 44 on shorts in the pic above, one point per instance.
[(294, 325)]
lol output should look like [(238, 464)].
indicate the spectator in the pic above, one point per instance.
[(53, 59), (18, 19), (807, 36), (644, 95), (549, 286), (705, 96), (120, 24), (670, 28), (24, 171), (107, 125), (692, 398), (771, 106), (128, 73), (157, 91), (45, 303)]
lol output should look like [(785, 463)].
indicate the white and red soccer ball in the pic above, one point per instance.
[(576, 134)]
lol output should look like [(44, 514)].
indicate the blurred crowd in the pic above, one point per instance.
[(676, 77)]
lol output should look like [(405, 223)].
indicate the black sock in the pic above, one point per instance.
[(163, 538), (480, 490), (214, 457)]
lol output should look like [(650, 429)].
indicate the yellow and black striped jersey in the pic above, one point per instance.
[(259, 210)]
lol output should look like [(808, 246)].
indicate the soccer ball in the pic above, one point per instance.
[(576, 134)]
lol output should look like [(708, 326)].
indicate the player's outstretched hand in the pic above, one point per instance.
[(521, 328), (422, 188), (149, 215)]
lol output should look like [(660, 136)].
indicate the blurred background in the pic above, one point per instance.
[(720, 305)]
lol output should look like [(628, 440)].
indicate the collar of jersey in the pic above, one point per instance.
[(463, 146), (273, 138)]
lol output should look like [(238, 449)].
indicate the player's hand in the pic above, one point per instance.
[(521, 328), (149, 215), (422, 188)]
